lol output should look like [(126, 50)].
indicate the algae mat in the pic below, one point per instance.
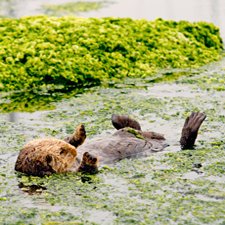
[(40, 50), (172, 187)]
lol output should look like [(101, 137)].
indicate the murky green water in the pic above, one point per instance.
[(172, 187)]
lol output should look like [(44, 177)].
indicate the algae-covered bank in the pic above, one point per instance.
[(42, 50)]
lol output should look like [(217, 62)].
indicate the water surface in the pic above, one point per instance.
[(163, 188)]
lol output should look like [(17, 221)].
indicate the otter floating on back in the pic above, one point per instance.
[(48, 156)]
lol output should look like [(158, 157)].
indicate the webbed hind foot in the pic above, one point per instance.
[(123, 121), (88, 163), (190, 129), (78, 137)]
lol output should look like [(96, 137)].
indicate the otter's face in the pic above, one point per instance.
[(46, 156), (68, 154), (61, 158)]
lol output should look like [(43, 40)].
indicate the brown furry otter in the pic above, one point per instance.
[(47, 156)]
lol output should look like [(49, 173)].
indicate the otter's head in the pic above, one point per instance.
[(46, 156), (61, 156)]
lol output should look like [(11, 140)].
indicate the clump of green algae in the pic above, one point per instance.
[(43, 50), (132, 131)]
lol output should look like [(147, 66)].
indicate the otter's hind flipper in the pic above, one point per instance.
[(78, 137), (123, 121), (190, 129), (88, 163)]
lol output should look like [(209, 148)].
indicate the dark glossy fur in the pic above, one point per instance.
[(124, 121)]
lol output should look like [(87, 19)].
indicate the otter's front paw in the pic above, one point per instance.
[(80, 130), (78, 137), (88, 163), (90, 159)]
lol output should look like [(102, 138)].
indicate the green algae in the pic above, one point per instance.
[(42, 50), (132, 131), (72, 8), (172, 187)]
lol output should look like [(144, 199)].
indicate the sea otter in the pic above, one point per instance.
[(48, 156)]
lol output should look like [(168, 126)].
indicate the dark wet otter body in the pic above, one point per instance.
[(46, 156), (123, 144)]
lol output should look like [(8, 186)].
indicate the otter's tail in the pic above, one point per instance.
[(190, 129)]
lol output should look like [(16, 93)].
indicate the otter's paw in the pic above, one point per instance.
[(80, 130), (78, 137), (90, 159), (88, 163)]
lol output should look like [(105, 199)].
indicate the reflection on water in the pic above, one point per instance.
[(191, 10), (30, 104), (35, 100), (12, 117), (22, 117), (171, 76), (31, 189)]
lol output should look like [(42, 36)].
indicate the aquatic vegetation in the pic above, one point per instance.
[(166, 188), (172, 187), (36, 99), (41, 50), (72, 8), (132, 131)]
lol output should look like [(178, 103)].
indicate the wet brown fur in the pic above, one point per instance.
[(47, 156), (78, 137)]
